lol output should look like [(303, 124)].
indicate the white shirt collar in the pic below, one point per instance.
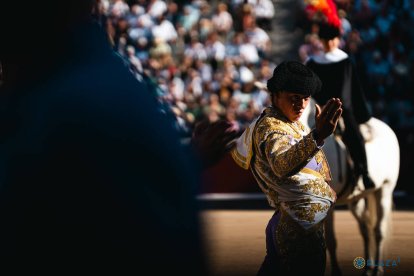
[(335, 55)]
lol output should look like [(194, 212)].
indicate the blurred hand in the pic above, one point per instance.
[(327, 119), (212, 140)]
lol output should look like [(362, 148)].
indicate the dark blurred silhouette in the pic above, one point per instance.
[(92, 175)]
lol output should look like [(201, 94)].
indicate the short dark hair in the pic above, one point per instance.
[(293, 76), (328, 31)]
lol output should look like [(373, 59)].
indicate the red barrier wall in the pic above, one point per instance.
[(227, 177)]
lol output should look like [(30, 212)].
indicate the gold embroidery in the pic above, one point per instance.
[(271, 125), (318, 157), (277, 163), (325, 168), (318, 187), (286, 158), (325, 171), (306, 210), (297, 246), (312, 172)]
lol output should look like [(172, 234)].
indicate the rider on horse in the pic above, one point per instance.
[(340, 80)]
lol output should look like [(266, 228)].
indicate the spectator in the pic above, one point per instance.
[(264, 11), (222, 20), (81, 138)]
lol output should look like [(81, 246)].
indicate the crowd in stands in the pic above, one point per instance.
[(210, 59), (205, 61)]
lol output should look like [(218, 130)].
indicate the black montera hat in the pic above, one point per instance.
[(328, 31), (293, 76)]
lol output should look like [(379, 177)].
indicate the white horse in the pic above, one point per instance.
[(372, 209)]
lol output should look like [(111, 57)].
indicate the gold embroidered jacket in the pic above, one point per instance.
[(291, 169)]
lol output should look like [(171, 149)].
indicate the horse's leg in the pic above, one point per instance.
[(384, 207), (360, 210), (331, 243)]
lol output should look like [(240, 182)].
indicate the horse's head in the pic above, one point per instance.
[(308, 116)]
